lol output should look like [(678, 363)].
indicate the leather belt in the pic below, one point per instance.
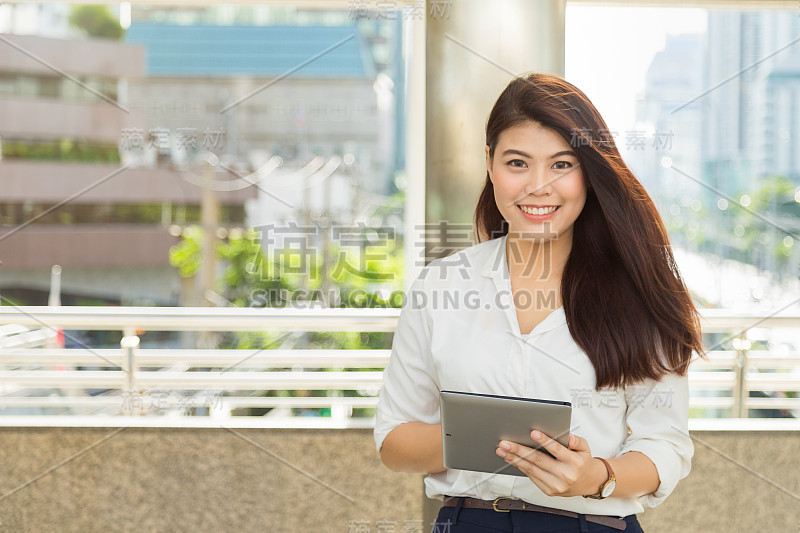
[(521, 505)]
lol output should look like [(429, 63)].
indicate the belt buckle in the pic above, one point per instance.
[(494, 504)]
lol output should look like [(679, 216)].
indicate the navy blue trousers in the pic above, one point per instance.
[(460, 520)]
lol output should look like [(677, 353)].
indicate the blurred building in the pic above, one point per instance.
[(780, 146), (68, 198), (752, 110), (732, 100), (309, 94), (751, 126), (672, 126)]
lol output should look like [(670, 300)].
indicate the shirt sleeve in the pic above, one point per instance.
[(657, 416), (410, 390)]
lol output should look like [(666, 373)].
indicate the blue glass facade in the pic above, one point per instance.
[(208, 51)]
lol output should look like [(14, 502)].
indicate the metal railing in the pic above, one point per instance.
[(220, 384), (744, 378)]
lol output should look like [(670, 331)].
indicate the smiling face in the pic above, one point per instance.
[(533, 171)]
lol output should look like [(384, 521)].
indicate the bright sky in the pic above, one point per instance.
[(608, 51)]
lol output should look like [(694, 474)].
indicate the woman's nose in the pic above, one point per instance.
[(539, 182)]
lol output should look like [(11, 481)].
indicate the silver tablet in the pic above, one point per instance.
[(474, 424)]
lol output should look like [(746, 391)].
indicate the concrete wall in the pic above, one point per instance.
[(55, 181), (194, 479), (78, 57), (29, 118), (143, 479), (88, 245)]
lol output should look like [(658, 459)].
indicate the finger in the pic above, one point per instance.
[(546, 481), (538, 458), (551, 445), (578, 444)]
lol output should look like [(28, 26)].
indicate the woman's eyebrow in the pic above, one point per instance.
[(523, 154)]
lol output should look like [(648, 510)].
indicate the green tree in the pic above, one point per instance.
[(774, 200), (253, 278), (96, 21)]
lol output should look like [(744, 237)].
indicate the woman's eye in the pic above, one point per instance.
[(555, 165), (516, 163)]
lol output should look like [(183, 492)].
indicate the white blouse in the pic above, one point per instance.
[(458, 330)]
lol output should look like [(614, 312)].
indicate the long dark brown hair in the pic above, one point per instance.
[(626, 304)]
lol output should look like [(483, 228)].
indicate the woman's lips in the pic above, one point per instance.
[(537, 218)]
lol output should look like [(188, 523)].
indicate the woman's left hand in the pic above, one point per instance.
[(573, 472)]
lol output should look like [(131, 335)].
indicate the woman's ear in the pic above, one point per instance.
[(488, 162)]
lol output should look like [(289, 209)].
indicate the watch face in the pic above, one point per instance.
[(609, 488)]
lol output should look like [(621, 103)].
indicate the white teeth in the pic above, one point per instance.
[(540, 211)]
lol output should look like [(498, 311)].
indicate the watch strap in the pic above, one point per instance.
[(611, 477)]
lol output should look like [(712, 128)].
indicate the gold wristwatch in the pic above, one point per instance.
[(608, 485)]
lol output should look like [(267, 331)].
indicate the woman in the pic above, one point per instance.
[(575, 296)]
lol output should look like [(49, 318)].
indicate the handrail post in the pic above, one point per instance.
[(131, 401), (340, 413), (740, 392)]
